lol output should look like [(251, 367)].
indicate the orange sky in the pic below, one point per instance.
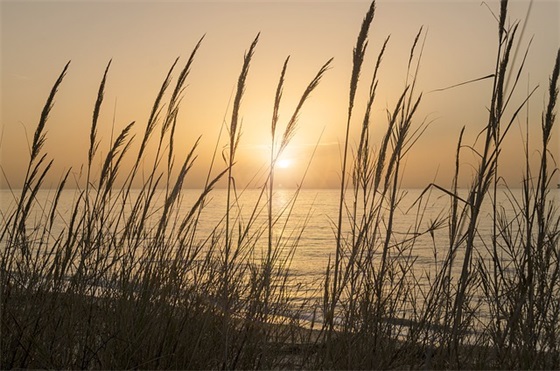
[(144, 38)]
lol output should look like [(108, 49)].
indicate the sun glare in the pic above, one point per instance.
[(284, 163)]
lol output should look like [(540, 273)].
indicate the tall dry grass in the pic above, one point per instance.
[(130, 281), (386, 316)]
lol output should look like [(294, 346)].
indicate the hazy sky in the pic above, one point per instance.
[(144, 38)]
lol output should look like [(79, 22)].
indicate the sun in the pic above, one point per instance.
[(284, 163)]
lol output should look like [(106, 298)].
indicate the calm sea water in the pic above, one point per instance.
[(311, 221)]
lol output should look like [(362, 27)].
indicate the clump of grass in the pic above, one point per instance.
[(523, 288), (373, 282), (387, 316), (128, 282)]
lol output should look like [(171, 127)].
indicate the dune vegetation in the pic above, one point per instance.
[(130, 282)]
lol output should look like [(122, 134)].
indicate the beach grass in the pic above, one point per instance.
[(131, 282)]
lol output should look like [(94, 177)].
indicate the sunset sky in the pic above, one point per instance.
[(144, 38)]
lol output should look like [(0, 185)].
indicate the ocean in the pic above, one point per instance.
[(306, 226)]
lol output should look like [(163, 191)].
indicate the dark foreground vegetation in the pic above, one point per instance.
[(130, 283)]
